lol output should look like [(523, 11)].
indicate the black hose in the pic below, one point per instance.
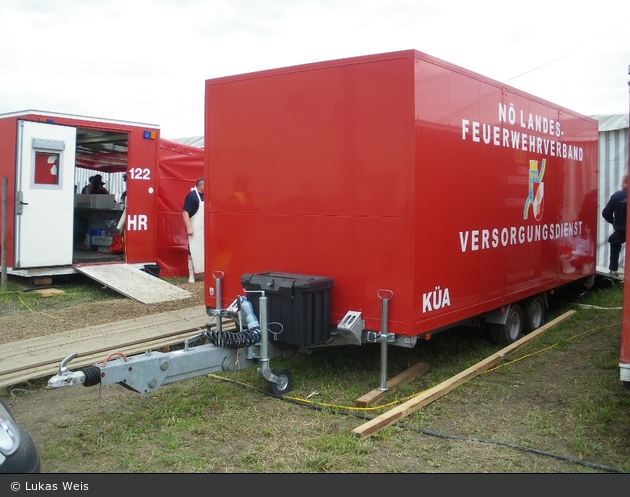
[(233, 339)]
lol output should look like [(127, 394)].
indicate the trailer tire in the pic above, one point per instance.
[(286, 384), (534, 314), (512, 330)]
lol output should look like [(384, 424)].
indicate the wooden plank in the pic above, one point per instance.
[(412, 405), (89, 359), (53, 348), (36, 372), (49, 292), (371, 398), (155, 324)]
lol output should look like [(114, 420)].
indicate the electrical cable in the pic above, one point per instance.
[(320, 407), (535, 69), (233, 339), (37, 317), (586, 306), (51, 327), (550, 347)]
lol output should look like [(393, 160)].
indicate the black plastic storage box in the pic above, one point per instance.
[(298, 306)]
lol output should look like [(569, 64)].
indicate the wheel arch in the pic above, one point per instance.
[(500, 314)]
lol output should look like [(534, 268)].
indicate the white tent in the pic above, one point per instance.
[(612, 165), (195, 141)]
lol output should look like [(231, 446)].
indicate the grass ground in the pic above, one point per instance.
[(556, 405)]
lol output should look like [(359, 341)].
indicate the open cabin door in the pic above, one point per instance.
[(44, 197)]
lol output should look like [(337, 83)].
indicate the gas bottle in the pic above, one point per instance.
[(248, 313)]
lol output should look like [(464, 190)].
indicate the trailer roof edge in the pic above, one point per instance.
[(75, 116)]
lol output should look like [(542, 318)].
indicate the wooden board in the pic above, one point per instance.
[(49, 292), (371, 398), (403, 410), (134, 283), (104, 338), (89, 359), (86, 359)]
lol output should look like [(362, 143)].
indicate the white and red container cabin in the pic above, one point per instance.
[(48, 221)]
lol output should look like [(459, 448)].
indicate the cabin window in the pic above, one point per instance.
[(47, 160), (46, 168)]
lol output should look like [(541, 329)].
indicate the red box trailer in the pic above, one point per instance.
[(432, 196), (46, 214)]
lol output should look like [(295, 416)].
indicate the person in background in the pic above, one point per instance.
[(123, 197), (615, 214), (120, 227), (96, 186), (83, 190), (192, 222)]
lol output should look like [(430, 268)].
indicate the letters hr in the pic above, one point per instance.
[(137, 222)]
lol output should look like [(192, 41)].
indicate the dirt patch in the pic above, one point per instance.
[(25, 324)]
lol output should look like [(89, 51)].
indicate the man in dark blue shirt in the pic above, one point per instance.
[(615, 214), (192, 211)]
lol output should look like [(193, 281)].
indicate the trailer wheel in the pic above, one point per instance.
[(534, 314), (512, 330), (285, 384)]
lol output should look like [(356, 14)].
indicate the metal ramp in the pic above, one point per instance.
[(134, 283), (604, 271)]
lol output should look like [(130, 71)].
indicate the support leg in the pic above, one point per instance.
[(384, 337)]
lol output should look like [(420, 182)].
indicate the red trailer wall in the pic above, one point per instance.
[(178, 168), (308, 178), (141, 214), (7, 170), (624, 346), (473, 182), (360, 170)]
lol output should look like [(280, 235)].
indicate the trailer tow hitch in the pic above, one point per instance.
[(225, 351), (66, 378)]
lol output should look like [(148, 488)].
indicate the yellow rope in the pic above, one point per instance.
[(547, 348), (39, 312)]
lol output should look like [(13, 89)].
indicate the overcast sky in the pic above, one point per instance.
[(147, 60)]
